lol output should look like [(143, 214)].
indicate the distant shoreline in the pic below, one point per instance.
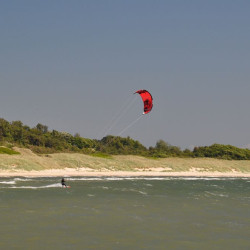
[(30, 164), (79, 173)]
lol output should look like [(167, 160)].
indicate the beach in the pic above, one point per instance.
[(87, 173), (30, 164)]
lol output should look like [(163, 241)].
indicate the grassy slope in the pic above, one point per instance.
[(8, 151), (27, 160)]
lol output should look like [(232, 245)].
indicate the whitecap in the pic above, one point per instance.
[(215, 194), (84, 179), (141, 192), (22, 179), (8, 182)]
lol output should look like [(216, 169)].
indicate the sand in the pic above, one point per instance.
[(72, 164), (83, 172)]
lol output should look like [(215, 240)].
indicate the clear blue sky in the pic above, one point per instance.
[(71, 65)]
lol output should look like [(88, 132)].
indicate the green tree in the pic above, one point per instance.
[(42, 128)]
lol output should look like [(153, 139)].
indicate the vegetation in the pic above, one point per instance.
[(8, 151), (227, 152), (118, 145), (162, 149), (42, 141)]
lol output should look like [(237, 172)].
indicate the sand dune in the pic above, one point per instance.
[(73, 164)]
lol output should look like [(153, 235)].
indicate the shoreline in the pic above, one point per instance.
[(84, 173), (29, 164)]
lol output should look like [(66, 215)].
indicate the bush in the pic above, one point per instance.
[(8, 151), (222, 152)]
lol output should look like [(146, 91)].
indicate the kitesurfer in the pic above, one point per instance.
[(63, 183)]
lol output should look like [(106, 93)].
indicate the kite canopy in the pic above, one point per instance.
[(147, 100)]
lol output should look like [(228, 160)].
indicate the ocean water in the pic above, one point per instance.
[(125, 213)]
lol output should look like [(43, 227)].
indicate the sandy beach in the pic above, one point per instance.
[(72, 164), (84, 172)]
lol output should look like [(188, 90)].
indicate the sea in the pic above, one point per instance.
[(125, 213)]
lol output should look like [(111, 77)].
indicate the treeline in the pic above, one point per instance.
[(40, 140), (227, 152)]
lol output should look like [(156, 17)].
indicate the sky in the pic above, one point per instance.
[(74, 66)]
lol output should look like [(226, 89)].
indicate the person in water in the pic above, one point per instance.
[(63, 183)]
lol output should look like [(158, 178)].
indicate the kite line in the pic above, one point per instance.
[(130, 125), (124, 109), (147, 107)]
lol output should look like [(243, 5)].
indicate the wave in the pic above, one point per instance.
[(101, 178), (8, 182), (55, 185), (216, 194), (22, 179), (114, 178)]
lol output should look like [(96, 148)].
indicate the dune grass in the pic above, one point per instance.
[(8, 151), (25, 159), (101, 155)]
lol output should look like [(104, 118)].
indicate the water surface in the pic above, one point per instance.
[(125, 213)]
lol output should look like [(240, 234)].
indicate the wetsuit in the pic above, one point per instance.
[(63, 183)]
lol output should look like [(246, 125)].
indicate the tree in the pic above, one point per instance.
[(17, 131), (162, 145), (42, 128), (5, 129)]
